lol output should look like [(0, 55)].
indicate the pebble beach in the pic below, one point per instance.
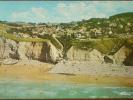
[(70, 71)]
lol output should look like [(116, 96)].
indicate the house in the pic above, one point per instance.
[(34, 32), (98, 32), (128, 24), (18, 27), (120, 25), (127, 29), (77, 35), (42, 33), (112, 24), (122, 19), (35, 36), (98, 23), (110, 32), (69, 32), (26, 35), (58, 28), (88, 35), (21, 34), (3, 31), (108, 28)]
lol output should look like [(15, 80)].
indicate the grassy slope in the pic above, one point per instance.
[(2, 27), (103, 45)]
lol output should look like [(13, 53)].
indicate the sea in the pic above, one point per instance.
[(27, 89)]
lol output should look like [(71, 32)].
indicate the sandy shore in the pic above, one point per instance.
[(83, 72)]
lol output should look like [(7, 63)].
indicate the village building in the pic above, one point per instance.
[(98, 32), (35, 36), (110, 32)]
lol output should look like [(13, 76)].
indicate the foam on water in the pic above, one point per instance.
[(17, 89)]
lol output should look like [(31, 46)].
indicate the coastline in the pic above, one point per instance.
[(41, 73)]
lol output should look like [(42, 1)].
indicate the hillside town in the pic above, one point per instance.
[(115, 26)]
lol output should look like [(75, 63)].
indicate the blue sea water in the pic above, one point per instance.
[(18, 89)]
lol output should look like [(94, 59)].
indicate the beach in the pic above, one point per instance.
[(71, 71)]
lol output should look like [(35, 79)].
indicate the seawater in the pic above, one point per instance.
[(18, 89)]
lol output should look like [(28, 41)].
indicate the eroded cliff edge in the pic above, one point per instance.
[(42, 51), (47, 52), (123, 56)]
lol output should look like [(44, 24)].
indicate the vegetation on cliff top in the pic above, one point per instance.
[(53, 41), (2, 27), (12, 37), (103, 45), (45, 38)]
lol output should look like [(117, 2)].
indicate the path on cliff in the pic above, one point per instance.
[(59, 50), (58, 42), (117, 46)]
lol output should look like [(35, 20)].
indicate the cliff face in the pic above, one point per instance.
[(83, 55), (95, 56), (121, 55), (41, 51), (46, 52)]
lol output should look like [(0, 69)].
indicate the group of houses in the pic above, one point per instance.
[(80, 33)]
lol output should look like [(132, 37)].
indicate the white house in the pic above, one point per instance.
[(110, 32), (26, 35)]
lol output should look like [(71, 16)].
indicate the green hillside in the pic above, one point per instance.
[(103, 45), (122, 15)]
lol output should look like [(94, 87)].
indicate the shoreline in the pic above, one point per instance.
[(76, 79), (45, 73)]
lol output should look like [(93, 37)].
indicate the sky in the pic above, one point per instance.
[(60, 11)]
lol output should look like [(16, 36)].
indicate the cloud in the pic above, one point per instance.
[(108, 7), (39, 12), (61, 5), (24, 15), (127, 5), (72, 11), (75, 9), (33, 15), (113, 7)]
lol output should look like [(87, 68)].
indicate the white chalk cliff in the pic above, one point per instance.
[(95, 56), (47, 52), (41, 51)]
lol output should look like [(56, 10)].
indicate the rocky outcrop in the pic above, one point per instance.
[(85, 55), (95, 56), (41, 51), (9, 61), (129, 60), (120, 56)]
